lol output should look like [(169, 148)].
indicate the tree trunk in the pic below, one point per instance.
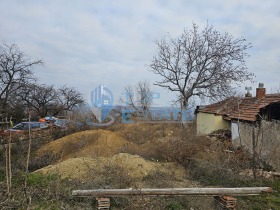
[(184, 108)]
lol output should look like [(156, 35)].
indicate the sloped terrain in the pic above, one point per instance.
[(131, 167), (133, 156), (98, 155), (91, 143)]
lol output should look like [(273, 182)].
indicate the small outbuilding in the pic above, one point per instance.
[(227, 113), (254, 122)]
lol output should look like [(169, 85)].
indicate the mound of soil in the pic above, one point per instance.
[(95, 157), (132, 166), (91, 143), (73, 168)]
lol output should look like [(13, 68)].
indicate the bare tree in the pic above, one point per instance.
[(139, 97), (15, 72), (275, 90), (42, 99), (69, 98), (46, 100), (201, 63)]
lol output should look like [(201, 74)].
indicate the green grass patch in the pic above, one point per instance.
[(37, 179), (174, 206), (266, 200)]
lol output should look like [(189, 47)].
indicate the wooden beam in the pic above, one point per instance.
[(172, 191)]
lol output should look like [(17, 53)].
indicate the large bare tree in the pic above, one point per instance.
[(202, 63), (15, 73)]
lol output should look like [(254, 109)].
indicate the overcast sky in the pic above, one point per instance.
[(90, 42)]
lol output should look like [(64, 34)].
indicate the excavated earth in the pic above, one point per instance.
[(97, 154)]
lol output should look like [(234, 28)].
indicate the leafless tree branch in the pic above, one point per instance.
[(201, 63)]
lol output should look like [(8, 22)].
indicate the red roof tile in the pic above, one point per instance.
[(240, 108), (221, 108)]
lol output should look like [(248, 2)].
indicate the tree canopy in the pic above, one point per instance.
[(20, 91), (202, 63)]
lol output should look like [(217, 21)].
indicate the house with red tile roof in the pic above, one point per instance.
[(254, 123), (224, 114)]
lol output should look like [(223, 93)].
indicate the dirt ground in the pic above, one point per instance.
[(98, 153), (133, 156), (85, 168), (97, 159), (91, 143)]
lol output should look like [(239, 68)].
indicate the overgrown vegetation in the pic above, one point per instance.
[(206, 160)]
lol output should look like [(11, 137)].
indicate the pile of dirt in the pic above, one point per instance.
[(133, 166), (103, 158), (91, 143), (73, 168)]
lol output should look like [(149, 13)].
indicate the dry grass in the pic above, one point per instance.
[(134, 156)]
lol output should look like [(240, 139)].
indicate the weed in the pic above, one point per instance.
[(116, 176), (152, 179), (40, 180), (174, 206)]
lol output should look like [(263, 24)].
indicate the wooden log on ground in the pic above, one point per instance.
[(172, 191)]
